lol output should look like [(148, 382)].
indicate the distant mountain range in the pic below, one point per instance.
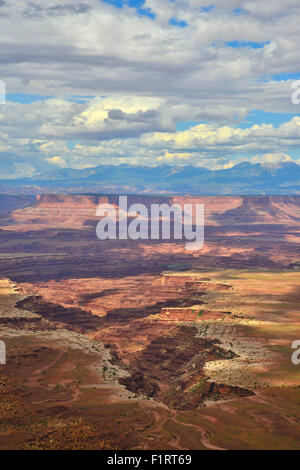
[(242, 179)]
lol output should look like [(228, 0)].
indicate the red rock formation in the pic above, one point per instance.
[(263, 210)]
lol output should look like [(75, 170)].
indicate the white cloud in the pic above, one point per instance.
[(133, 130), (110, 117), (146, 75), (57, 161), (271, 159), (211, 139)]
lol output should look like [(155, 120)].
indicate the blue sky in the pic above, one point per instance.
[(137, 4), (148, 82), (261, 117), (251, 44)]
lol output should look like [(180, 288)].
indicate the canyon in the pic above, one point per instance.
[(123, 344)]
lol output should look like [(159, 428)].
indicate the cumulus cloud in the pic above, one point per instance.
[(210, 139), (108, 50), (121, 81), (271, 159), (132, 130), (57, 161), (110, 117)]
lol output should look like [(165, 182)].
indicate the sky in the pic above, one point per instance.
[(153, 82)]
